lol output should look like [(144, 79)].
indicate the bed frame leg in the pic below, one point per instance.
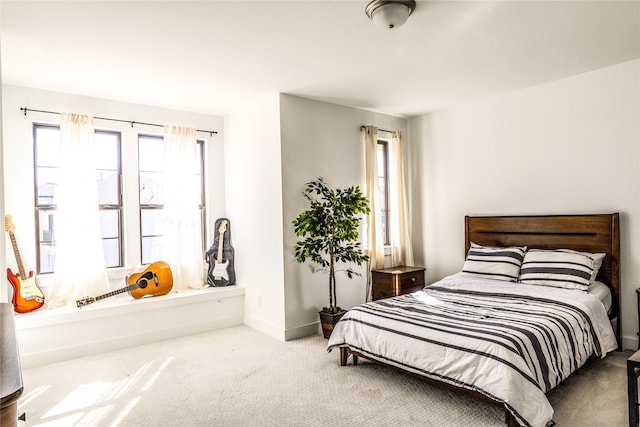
[(344, 356)]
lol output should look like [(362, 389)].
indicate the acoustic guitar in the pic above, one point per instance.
[(155, 280), (26, 294)]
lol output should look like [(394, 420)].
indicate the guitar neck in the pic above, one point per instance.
[(119, 291), (220, 244), (14, 244)]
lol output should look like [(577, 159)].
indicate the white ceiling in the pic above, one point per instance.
[(210, 56)]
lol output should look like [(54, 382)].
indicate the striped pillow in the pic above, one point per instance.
[(561, 268), (494, 262), (597, 263)]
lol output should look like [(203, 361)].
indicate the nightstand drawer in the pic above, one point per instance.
[(391, 282)]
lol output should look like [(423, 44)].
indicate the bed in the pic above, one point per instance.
[(498, 340)]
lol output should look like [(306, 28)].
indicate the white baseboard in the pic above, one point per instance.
[(265, 328), (302, 331), (286, 334), (47, 336), (630, 343)]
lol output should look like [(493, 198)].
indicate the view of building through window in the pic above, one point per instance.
[(107, 176), (383, 185), (152, 184)]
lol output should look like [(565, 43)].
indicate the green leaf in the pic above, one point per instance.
[(329, 228)]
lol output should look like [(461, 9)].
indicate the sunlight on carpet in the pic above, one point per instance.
[(97, 402)]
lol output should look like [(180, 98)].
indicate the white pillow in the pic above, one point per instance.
[(603, 293), (562, 268), (494, 262)]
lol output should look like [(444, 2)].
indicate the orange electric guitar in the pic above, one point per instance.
[(26, 294), (155, 280)]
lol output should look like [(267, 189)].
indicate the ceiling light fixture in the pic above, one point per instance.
[(390, 13)]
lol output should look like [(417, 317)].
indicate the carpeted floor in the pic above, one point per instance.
[(240, 377)]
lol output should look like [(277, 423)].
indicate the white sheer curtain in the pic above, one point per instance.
[(79, 269), (401, 248), (375, 239), (182, 245)]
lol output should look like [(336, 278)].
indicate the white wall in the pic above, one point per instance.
[(569, 146), (254, 201), (319, 139), (18, 160)]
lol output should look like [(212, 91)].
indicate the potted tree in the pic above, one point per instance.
[(329, 238)]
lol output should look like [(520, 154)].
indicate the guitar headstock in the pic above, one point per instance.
[(86, 301), (223, 226), (8, 224)]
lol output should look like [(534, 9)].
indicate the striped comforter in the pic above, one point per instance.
[(508, 341)]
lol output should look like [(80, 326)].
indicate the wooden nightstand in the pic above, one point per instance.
[(638, 333), (390, 282), (633, 372)]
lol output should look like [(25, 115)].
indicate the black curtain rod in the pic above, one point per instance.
[(25, 110), (379, 130)]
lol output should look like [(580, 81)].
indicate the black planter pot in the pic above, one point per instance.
[(328, 321)]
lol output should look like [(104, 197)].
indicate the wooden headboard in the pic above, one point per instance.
[(598, 233)]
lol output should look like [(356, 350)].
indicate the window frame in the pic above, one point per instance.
[(202, 206), (384, 209), (38, 208)]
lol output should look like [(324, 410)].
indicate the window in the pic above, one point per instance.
[(108, 174), (109, 180), (151, 186), (383, 185)]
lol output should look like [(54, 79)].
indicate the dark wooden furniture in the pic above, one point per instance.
[(391, 282), (633, 372), (599, 233), (638, 298), (10, 372)]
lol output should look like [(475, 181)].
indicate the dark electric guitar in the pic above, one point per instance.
[(155, 280), (26, 294)]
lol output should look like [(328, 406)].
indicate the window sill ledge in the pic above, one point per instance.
[(51, 335), (120, 305)]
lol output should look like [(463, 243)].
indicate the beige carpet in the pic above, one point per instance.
[(240, 377)]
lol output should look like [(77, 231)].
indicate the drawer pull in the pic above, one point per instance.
[(413, 279)]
